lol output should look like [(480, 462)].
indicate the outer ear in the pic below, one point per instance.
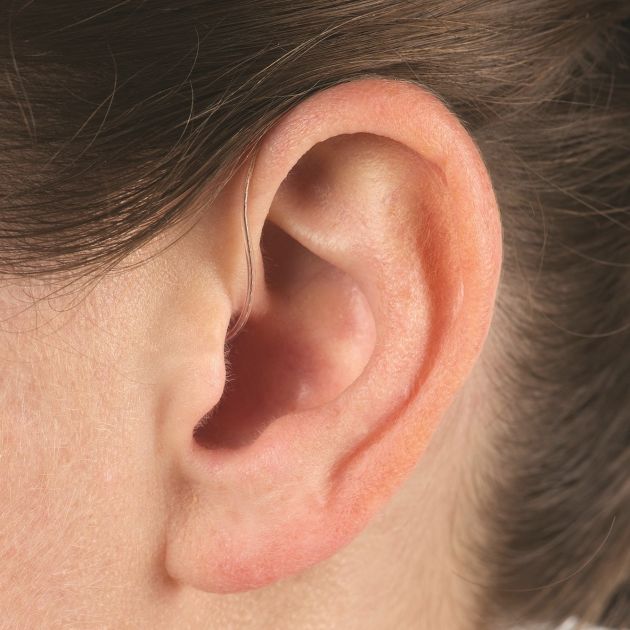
[(378, 254)]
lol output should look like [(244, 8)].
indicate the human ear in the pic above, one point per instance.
[(377, 253)]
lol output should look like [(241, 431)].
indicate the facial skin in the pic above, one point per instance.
[(377, 253)]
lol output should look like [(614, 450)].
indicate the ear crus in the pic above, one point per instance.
[(308, 344)]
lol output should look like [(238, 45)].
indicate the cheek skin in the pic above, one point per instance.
[(83, 480), (78, 493)]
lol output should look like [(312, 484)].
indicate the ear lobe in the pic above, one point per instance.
[(379, 241)]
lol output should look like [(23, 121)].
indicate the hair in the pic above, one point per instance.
[(113, 115)]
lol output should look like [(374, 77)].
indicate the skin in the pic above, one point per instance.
[(330, 484)]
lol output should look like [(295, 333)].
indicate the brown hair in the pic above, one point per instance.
[(113, 115)]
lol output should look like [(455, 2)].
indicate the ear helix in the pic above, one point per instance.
[(243, 316)]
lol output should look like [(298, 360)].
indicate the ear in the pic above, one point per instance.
[(377, 254)]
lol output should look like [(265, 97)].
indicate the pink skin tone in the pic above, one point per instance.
[(378, 252)]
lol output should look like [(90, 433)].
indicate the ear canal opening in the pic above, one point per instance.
[(297, 354)]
